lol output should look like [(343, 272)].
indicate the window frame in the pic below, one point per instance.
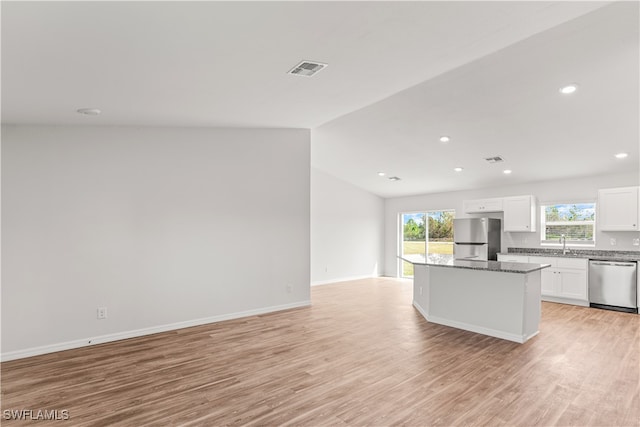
[(573, 243)]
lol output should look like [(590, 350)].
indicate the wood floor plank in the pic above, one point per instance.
[(360, 355)]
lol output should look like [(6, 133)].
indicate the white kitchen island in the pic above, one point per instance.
[(500, 299)]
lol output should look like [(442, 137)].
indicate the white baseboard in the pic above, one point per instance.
[(481, 330), (85, 342), (343, 279), (420, 309), (571, 301)]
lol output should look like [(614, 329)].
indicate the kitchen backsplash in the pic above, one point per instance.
[(585, 252), (606, 241)]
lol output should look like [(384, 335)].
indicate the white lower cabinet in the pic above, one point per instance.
[(564, 282), (548, 282), (572, 283)]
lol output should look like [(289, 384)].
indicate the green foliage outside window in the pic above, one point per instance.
[(575, 221), (414, 231), (440, 227)]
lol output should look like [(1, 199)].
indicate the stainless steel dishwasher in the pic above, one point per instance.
[(613, 285)]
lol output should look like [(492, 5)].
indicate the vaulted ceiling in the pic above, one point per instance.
[(400, 75)]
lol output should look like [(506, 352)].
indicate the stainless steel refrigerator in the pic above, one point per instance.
[(476, 238)]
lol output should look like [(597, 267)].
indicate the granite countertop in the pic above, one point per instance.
[(497, 266), (577, 253)]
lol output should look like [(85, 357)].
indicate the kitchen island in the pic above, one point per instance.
[(499, 299)]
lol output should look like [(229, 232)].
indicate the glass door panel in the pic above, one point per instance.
[(425, 233), (413, 238), (440, 239)]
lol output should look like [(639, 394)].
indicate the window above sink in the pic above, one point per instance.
[(576, 221)]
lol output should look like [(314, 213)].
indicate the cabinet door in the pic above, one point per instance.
[(572, 284), (548, 282), (519, 213), (493, 205), (618, 209), (472, 206), (548, 275), (482, 205)]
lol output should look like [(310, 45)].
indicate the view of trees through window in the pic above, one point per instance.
[(426, 233), (575, 221)]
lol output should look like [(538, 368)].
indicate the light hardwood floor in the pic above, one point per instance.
[(361, 355)]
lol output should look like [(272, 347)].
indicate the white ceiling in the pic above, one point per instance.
[(400, 74)]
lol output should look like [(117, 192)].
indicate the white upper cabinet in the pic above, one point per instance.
[(519, 213), (482, 205), (618, 209)]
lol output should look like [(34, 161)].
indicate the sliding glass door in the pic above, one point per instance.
[(425, 233)]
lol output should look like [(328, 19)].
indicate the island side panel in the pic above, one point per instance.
[(421, 288), (485, 302), (532, 303)]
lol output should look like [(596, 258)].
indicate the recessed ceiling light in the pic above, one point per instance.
[(444, 139), (89, 111), (569, 89), (458, 169), (506, 171), (621, 155), (394, 178), (381, 174)]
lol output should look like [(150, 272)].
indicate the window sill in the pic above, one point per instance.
[(569, 245)]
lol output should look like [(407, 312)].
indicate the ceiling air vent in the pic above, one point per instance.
[(307, 68), (494, 159)]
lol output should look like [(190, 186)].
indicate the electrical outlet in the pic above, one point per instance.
[(326, 268), (613, 241), (289, 289), (636, 242), (102, 313), (420, 290)]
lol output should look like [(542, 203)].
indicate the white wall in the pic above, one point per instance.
[(166, 227), (570, 190), (347, 230)]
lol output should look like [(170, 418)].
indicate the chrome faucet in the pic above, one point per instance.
[(563, 239)]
